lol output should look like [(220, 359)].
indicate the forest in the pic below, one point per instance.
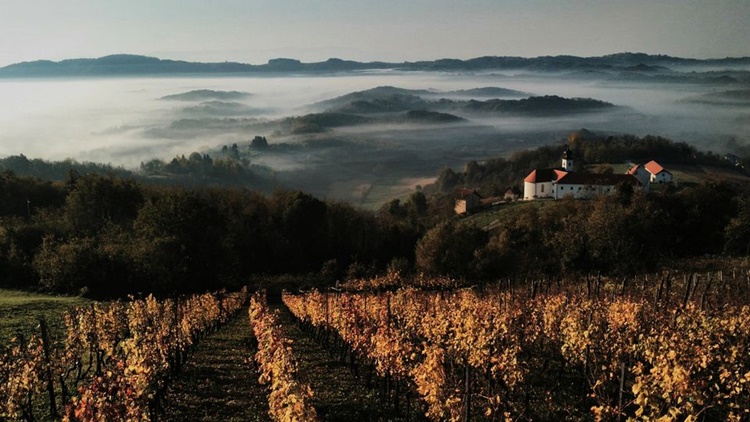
[(104, 235), (617, 307)]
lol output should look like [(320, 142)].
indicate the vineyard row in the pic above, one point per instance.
[(116, 360), (289, 399), (495, 355)]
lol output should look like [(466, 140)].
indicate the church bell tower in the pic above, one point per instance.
[(567, 160)]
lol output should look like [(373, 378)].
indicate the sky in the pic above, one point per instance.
[(254, 31)]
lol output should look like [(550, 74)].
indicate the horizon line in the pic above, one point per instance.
[(162, 58)]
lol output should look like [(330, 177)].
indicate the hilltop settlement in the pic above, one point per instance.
[(563, 181)]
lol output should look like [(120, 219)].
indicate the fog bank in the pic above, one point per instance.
[(126, 121)]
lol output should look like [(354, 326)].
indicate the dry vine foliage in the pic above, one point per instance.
[(117, 358), (289, 399), (470, 352)]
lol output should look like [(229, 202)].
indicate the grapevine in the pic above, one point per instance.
[(289, 399), (117, 358), (465, 349)]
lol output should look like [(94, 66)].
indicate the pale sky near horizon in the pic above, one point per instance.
[(254, 31)]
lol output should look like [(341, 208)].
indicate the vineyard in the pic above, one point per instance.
[(675, 348), (667, 347), (116, 362)]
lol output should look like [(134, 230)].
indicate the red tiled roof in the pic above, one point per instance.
[(594, 179), (634, 169), (654, 168), (544, 175)]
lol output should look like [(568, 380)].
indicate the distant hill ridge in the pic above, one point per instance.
[(129, 64)]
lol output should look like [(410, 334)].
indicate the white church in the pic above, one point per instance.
[(557, 183)]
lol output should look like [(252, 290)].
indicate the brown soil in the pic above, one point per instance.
[(220, 381)]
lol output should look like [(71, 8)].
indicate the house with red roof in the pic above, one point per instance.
[(651, 172), (557, 183), (658, 173), (641, 174)]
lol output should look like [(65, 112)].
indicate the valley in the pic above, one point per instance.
[(360, 135)]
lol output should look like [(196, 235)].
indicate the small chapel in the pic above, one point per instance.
[(557, 183)]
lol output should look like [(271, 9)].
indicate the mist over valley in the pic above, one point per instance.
[(373, 210), (365, 136)]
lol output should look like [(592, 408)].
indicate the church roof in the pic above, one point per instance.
[(544, 175)]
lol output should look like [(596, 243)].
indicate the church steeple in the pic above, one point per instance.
[(567, 159)]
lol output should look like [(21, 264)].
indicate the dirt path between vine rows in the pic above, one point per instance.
[(218, 383), (338, 395)]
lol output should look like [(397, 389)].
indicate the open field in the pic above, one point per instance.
[(20, 312), (699, 173), (493, 217)]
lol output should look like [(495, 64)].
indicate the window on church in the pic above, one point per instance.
[(542, 188)]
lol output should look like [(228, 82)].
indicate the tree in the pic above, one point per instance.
[(737, 231), (417, 203), (181, 236), (301, 222), (234, 152), (705, 210), (19, 241), (609, 232), (473, 172), (393, 209), (250, 232), (352, 234), (330, 271), (66, 267), (259, 142), (569, 239), (96, 200), (21, 195), (450, 249), (447, 180)]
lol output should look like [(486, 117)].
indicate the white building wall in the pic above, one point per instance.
[(528, 190), (663, 177), (538, 190), (460, 207), (643, 176), (558, 191), (582, 191)]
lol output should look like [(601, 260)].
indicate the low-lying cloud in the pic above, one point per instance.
[(129, 121)]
